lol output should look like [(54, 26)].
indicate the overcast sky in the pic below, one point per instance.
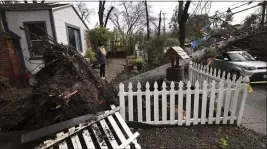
[(168, 7)]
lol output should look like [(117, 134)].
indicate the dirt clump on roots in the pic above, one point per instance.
[(66, 87)]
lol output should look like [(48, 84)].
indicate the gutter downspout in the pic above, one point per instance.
[(16, 41), (52, 22)]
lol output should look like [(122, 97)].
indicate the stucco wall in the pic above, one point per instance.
[(69, 16), (15, 19)]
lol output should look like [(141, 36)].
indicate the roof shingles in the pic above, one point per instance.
[(30, 6)]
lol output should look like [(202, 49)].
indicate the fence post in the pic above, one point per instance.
[(244, 98), (130, 101), (234, 104), (148, 119), (172, 103), (156, 103), (227, 99), (139, 103), (204, 103), (219, 102), (212, 100), (196, 102), (180, 104), (164, 103), (190, 71), (122, 100), (188, 103)]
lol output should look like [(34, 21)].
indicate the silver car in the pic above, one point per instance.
[(241, 63)]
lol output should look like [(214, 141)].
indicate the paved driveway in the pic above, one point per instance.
[(254, 116)]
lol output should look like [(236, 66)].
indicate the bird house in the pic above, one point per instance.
[(176, 53), (175, 72)]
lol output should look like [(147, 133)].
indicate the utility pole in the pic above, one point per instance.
[(147, 21), (263, 13), (164, 29), (159, 26)]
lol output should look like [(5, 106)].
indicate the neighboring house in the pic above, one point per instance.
[(58, 21)]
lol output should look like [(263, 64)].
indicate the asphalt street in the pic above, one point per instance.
[(254, 116)]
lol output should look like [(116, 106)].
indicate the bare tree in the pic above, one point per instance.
[(108, 15), (101, 13), (84, 11), (147, 20), (130, 19), (101, 9)]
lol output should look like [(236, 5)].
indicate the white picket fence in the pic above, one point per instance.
[(198, 72), (210, 102)]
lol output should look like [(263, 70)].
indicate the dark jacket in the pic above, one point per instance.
[(101, 59)]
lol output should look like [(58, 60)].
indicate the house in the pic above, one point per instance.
[(60, 22)]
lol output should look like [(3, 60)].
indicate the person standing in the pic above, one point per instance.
[(101, 59)]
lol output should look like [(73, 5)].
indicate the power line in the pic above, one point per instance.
[(226, 7), (220, 14), (242, 5), (246, 9)]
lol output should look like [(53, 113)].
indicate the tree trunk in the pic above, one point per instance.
[(107, 18), (263, 14), (182, 34), (147, 21), (159, 73), (101, 9), (182, 18), (159, 27)]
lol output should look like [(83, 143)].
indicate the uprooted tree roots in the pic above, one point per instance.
[(66, 87)]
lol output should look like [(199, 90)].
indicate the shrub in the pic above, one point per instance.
[(99, 34), (130, 60), (91, 55), (155, 49), (139, 62)]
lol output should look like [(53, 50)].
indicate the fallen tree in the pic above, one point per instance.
[(198, 56), (66, 87)]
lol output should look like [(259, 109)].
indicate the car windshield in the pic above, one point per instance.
[(241, 56)]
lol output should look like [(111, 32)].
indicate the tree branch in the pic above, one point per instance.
[(186, 7), (107, 18)]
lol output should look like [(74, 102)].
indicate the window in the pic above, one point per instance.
[(241, 56), (74, 38), (219, 57), (225, 55), (34, 43)]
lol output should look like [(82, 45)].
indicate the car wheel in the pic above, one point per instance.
[(237, 73)]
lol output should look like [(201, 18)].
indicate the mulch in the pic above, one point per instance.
[(195, 137), (201, 137)]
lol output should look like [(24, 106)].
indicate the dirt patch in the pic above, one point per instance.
[(230, 137)]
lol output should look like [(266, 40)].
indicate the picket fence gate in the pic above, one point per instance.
[(214, 100)]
